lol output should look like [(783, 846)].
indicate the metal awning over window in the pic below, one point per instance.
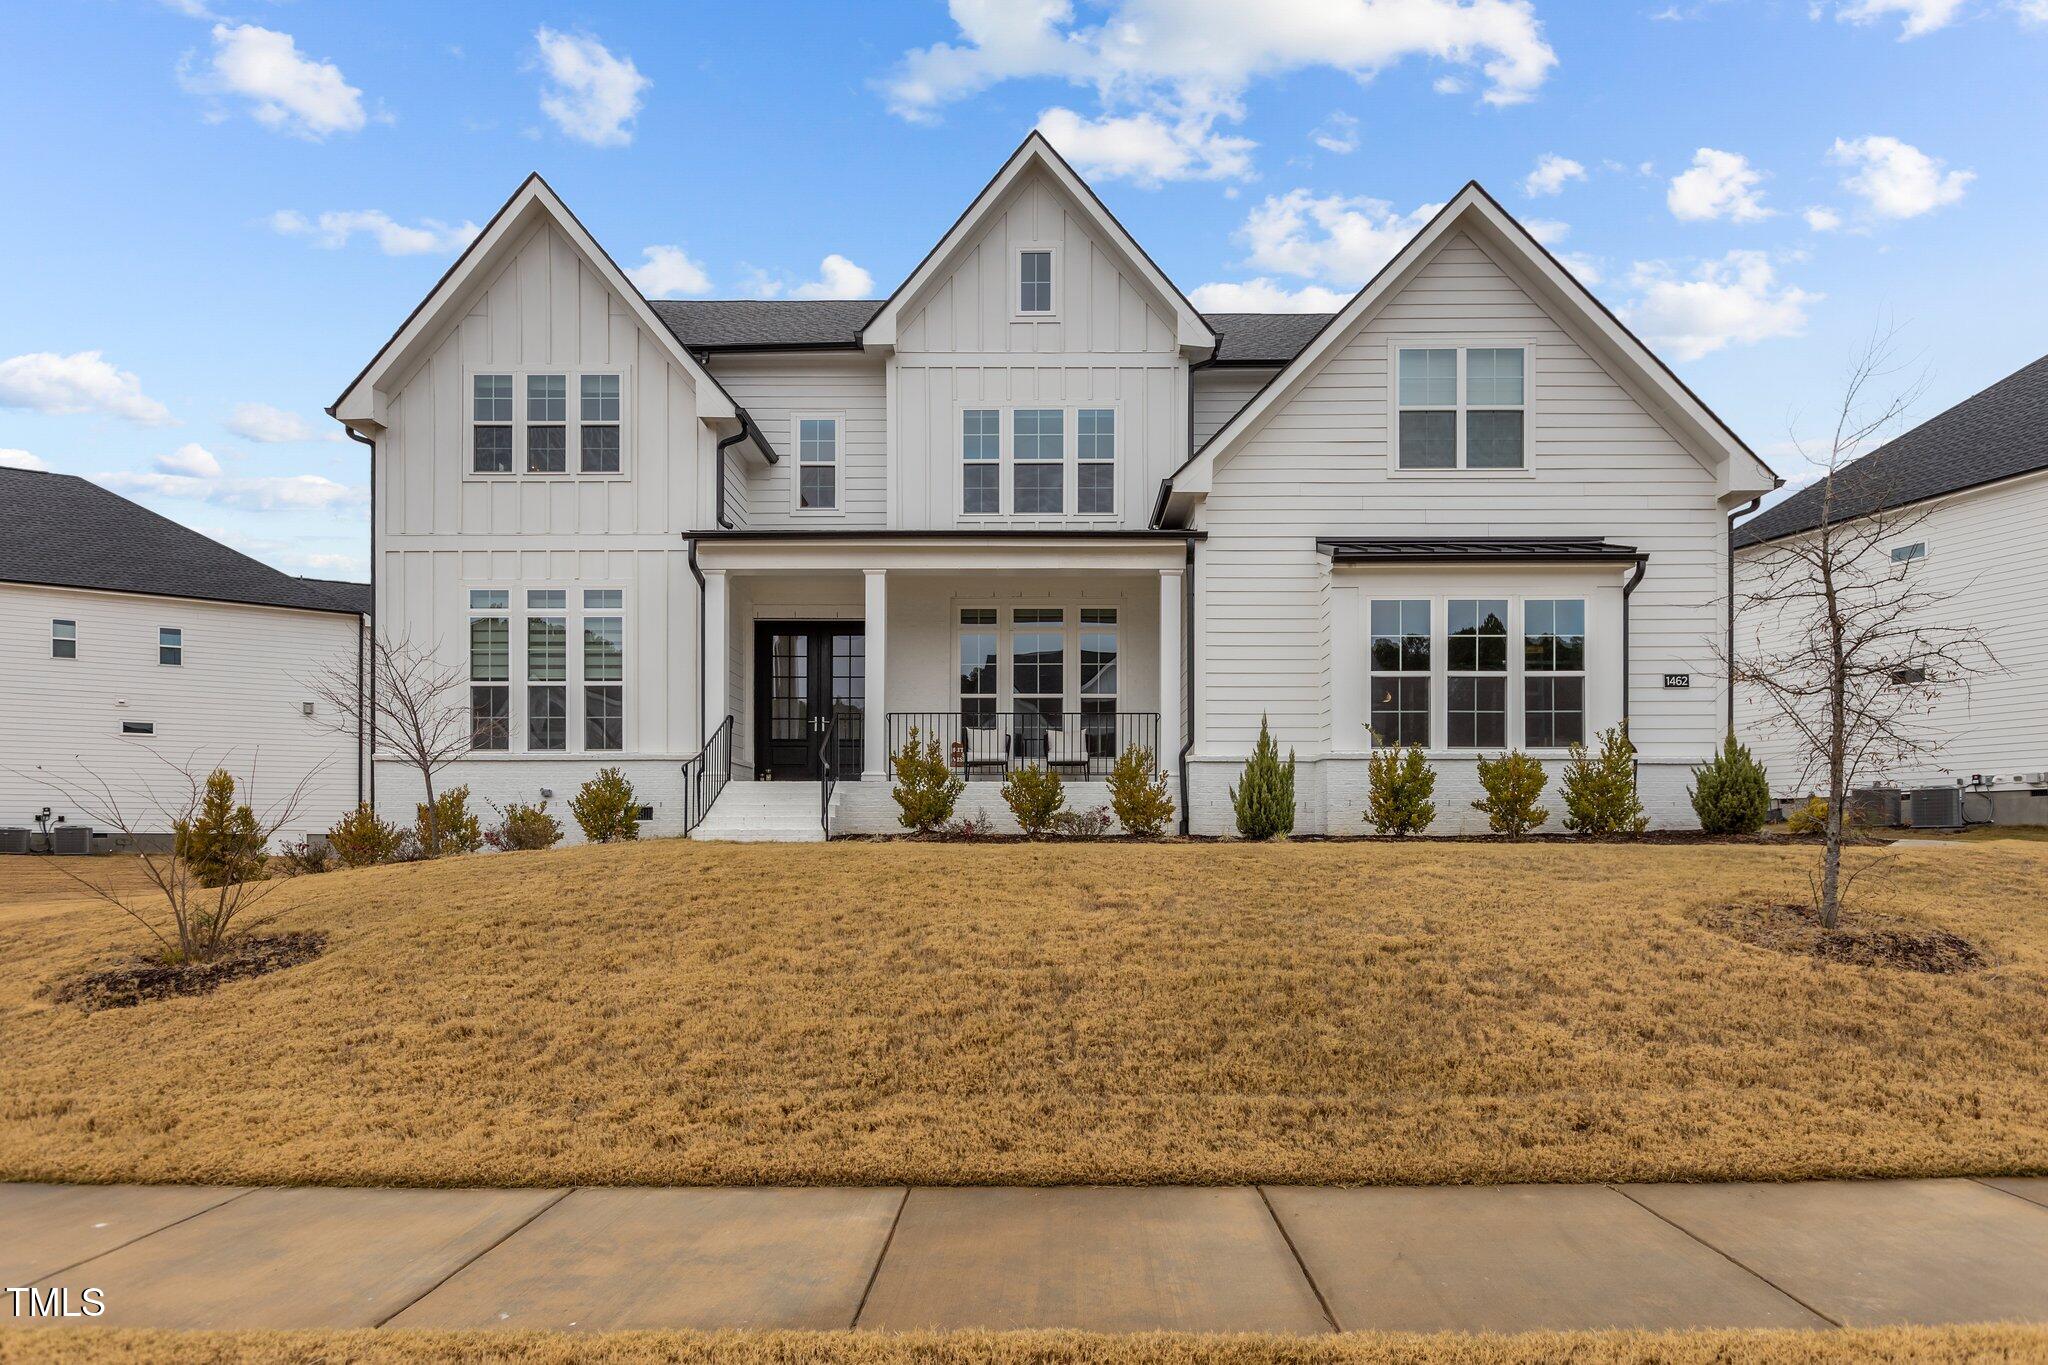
[(1478, 549)]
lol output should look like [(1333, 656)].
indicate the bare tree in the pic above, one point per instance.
[(1858, 655), (192, 922), (407, 702)]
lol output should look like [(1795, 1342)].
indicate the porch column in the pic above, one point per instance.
[(717, 652), (1170, 681), (875, 749)]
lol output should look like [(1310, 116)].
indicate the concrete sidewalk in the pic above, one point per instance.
[(1278, 1259)]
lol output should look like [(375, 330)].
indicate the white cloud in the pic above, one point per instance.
[(287, 90), (257, 494), (21, 459), (1737, 299), (293, 556), (838, 278), (1448, 85), (1335, 239), (1147, 149), (272, 426), (1548, 231), (43, 381), (1822, 219), (334, 228), (1339, 133), (192, 460), (1263, 295), (2031, 11), (668, 272), (1897, 179), (1586, 269), (1551, 174), (1719, 185), (591, 95), (1920, 16)]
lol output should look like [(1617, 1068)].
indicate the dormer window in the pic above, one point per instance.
[(1034, 281)]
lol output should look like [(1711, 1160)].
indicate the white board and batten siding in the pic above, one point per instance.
[(443, 530), (235, 700), (1599, 465), (963, 345), (1986, 562)]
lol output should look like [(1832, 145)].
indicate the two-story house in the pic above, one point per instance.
[(1037, 506)]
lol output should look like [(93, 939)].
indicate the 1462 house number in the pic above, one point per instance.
[(1678, 680)]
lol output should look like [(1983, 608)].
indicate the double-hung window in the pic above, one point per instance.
[(1400, 672), (490, 669), (1553, 672), (491, 424), (1461, 407), (599, 435), (978, 662), (63, 639), (1038, 665), (604, 669), (817, 464), (1095, 461), (1038, 459), (547, 424), (1099, 680), (547, 670), (170, 646), (1034, 282), (981, 462), (1476, 680)]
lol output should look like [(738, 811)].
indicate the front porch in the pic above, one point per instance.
[(1058, 652)]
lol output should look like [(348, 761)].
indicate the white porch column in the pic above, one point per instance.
[(717, 652), (1170, 680), (875, 750)]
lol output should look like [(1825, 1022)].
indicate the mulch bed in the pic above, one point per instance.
[(1859, 939), (148, 979)]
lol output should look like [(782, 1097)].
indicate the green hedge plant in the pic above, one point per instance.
[(521, 826), (1036, 796), (1513, 783), (221, 842), (1263, 799), (449, 825), (1731, 793), (926, 787), (605, 808), (1138, 793), (1599, 788), (361, 839), (1399, 785)]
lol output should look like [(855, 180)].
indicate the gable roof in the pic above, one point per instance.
[(1035, 153), (68, 532), (362, 404), (1473, 210), (1998, 433)]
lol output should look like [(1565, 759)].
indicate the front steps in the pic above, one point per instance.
[(764, 812)]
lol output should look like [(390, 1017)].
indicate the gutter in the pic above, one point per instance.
[(366, 702), (1730, 657), (723, 520)]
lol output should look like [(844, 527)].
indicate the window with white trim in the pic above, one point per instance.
[(1038, 663), (981, 462), (63, 639), (1906, 554), (1461, 407), (598, 435), (1095, 461), (1553, 672), (490, 669), (817, 464), (1034, 281), (547, 424), (1400, 661), (1476, 676), (604, 670), (547, 671), (491, 424), (138, 727), (978, 667), (1038, 450), (528, 423), (170, 646), (1099, 680)]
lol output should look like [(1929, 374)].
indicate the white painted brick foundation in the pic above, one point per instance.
[(656, 782), (868, 808)]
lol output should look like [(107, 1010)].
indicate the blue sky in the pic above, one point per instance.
[(218, 211)]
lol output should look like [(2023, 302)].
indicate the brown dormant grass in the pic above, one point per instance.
[(678, 1013), (1886, 1346)]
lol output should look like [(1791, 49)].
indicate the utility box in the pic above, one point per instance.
[(1876, 807), (1935, 808), (75, 840), (13, 841)]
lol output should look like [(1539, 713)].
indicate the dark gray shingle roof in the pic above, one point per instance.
[(1996, 434), (68, 532), (770, 324)]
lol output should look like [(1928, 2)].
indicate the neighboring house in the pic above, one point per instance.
[(1970, 491), (1037, 506), (132, 647)]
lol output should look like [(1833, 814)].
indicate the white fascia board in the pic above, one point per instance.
[(826, 553)]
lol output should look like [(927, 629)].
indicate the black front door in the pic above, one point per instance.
[(808, 675)]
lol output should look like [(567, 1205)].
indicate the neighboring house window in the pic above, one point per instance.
[(1905, 554), (1476, 682), (1908, 676), (547, 417), (817, 460), (1038, 453), (600, 426), (977, 667), (138, 727), (170, 646), (1553, 672), (1099, 680), (1034, 287), (1095, 456), (981, 456), (1038, 657), (604, 670), (547, 671), (1400, 672), (1461, 407), (491, 424), (63, 639), (490, 669)]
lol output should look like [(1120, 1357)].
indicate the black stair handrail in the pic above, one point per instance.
[(705, 775)]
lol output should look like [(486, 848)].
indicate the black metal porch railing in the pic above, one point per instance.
[(705, 775), (981, 746), (828, 772)]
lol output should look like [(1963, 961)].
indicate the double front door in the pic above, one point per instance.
[(810, 680)]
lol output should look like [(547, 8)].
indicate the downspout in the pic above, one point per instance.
[(1730, 545), (723, 520), (703, 677), (1187, 674), (1642, 567), (366, 705)]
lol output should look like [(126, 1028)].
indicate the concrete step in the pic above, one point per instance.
[(764, 812)]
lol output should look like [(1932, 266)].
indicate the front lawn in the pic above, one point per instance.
[(678, 1013)]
